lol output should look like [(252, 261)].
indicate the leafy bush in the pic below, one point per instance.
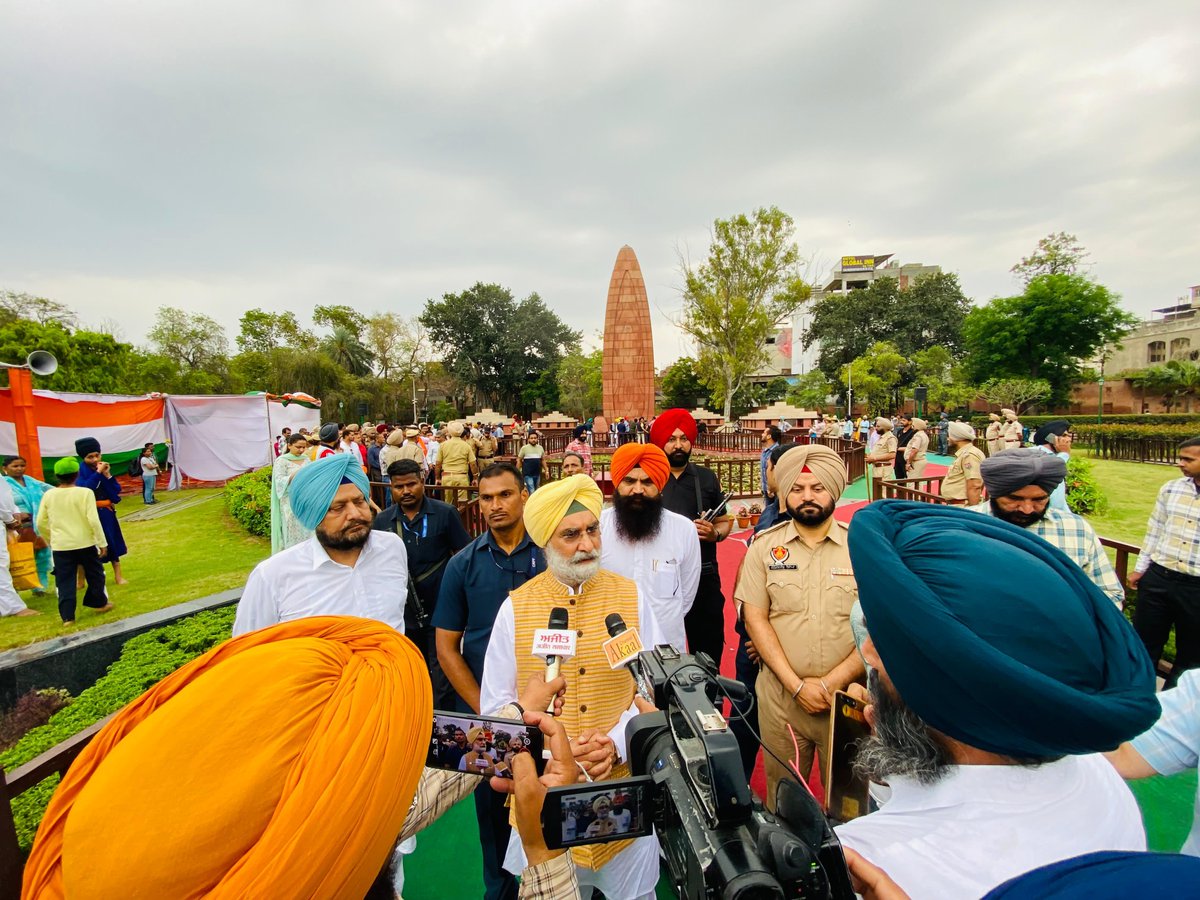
[(145, 660), (248, 499), (32, 710), (1084, 495), (1175, 432)]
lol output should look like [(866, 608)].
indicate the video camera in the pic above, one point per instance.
[(688, 785)]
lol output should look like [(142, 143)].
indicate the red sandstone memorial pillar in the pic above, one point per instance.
[(628, 342)]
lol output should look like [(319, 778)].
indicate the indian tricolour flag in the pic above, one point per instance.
[(122, 425)]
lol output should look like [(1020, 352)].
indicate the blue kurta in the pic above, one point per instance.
[(28, 498), (105, 488)]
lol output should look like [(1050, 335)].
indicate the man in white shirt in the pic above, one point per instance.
[(650, 545), (563, 518), (344, 569), (989, 708), (11, 603)]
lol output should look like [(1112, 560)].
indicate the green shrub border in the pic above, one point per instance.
[(144, 661), (248, 499)]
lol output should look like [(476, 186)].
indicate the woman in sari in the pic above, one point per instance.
[(286, 531), (27, 494)]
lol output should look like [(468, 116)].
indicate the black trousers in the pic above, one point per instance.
[(1167, 598), (744, 728), (900, 467), (704, 624), (444, 696), (66, 564)]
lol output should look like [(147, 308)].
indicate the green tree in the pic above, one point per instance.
[(877, 375), (197, 347), (945, 378), (498, 346), (681, 385), (263, 332), (87, 361), (581, 384), (812, 390), (344, 348), (737, 297), (1056, 254), (340, 316), (15, 306), (1045, 332), (1014, 393), (930, 313)]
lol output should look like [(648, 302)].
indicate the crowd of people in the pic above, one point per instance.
[(991, 711)]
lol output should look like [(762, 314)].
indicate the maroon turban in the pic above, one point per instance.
[(664, 426)]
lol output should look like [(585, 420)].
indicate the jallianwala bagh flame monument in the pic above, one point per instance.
[(628, 374)]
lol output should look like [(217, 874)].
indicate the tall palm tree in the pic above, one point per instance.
[(1185, 380), (344, 347)]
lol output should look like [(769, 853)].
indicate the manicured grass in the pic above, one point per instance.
[(1130, 488), (181, 556)]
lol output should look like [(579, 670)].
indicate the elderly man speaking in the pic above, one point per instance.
[(344, 569), (796, 589), (563, 518)]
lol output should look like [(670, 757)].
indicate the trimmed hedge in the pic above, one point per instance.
[(1078, 420), (248, 499), (145, 660)]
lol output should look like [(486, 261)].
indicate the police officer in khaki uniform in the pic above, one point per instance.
[(485, 447), (456, 465), (918, 446), (964, 481), (884, 456), (796, 589), (995, 443), (1013, 433)]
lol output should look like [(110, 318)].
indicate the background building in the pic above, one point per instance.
[(1172, 332)]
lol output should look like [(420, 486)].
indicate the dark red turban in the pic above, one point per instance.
[(664, 426)]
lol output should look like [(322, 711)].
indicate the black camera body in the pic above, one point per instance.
[(718, 839)]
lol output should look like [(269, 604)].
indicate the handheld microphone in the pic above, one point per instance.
[(622, 649), (558, 622)]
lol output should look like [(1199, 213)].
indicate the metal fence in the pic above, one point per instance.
[(1159, 451)]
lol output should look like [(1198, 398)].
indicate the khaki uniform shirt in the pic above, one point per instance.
[(410, 449), (886, 444), (964, 468), (1013, 433), (456, 456), (485, 447), (915, 451), (808, 594)]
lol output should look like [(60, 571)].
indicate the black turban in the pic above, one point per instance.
[(1011, 470), (86, 445), (1058, 428), (1041, 664)]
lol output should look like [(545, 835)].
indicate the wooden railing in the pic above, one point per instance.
[(923, 490), (466, 499), (1159, 451)]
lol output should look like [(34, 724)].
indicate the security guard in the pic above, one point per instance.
[(964, 481), (1013, 433), (456, 466), (796, 589), (485, 447), (884, 456), (917, 447), (995, 443)]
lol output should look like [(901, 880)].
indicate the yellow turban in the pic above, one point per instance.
[(280, 764), (822, 461), (552, 503)]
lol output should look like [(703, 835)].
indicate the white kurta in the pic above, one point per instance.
[(10, 601), (303, 581), (633, 872), (982, 825), (666, 568)]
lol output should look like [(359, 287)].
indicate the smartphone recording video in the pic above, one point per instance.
[(481, 745), (597, 813)]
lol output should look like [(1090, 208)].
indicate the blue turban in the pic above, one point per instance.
[(1038, 664), (1108, 875), (315, 485)]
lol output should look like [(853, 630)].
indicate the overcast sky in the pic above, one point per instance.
[(219, 156)]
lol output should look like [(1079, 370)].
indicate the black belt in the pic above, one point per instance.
[(1172, 574)]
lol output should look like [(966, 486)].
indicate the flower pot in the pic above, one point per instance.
[(743, 521), (754, 519)]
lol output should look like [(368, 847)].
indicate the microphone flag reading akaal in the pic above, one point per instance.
[(554, 643), (622, 649)]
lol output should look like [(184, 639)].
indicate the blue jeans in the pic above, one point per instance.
[(531, 482), (148, 487)]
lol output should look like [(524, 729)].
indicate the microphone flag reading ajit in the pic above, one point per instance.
[(558, 622)]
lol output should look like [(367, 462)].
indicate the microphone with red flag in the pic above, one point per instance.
[(555, 642)]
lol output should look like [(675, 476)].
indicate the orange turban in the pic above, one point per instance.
[(666, 423), (281, 763), (647, 457)]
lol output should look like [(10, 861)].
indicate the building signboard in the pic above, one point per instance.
[(858, 263)]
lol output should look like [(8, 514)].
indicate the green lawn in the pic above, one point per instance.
[(181, 556), (1131, 488)]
